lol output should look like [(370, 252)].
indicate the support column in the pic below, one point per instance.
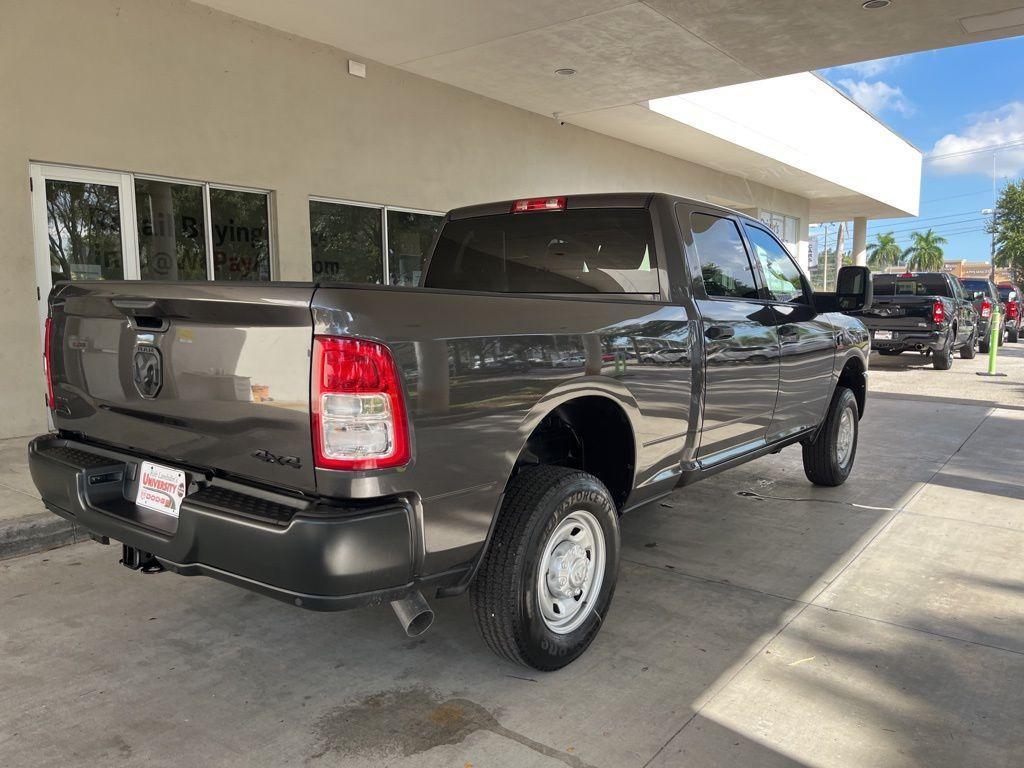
[(860, 241)]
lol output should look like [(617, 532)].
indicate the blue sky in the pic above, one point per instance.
[(949, 103)]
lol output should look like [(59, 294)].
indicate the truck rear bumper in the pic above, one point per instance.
[(910, 340), (313, 554)]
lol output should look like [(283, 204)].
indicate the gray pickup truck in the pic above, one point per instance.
[(565, 360)]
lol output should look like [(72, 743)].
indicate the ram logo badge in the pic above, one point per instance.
[(147, 371)]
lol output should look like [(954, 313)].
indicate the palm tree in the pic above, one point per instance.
[(884, 251), (925, 252)]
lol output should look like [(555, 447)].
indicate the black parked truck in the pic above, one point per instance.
[(925, 312), (339, 445), (984, 297)]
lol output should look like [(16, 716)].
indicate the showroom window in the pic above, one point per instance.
[(786, 228), (361, 243), (171, 230), (345, 239), (240, 234), (410, 235), (113, 225)]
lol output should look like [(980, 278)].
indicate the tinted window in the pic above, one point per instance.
[(409, 238), (781, 274), (241, 234), (84, 228), (345, 242), (724, 264), (172, 237), (1006, 293), (912, 285), (584, 251)]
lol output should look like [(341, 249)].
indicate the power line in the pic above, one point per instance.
[(935, 226), (882, 228), (977, 151), (953, 197)]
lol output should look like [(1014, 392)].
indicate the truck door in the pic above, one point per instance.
[(741, 342), (807, 339)]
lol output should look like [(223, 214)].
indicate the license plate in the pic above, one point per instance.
[(160, 488), (883, 335)]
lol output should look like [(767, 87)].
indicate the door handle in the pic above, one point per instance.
[(715, 332), (789, 332)]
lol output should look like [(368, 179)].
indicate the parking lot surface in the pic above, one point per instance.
[(759, 621)]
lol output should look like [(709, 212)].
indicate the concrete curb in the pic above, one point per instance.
[(36, 533)]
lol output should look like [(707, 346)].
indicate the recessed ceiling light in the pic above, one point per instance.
[(873, 4), (565, 72)]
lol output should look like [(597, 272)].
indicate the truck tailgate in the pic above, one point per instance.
[(209, 375), (899, 312)]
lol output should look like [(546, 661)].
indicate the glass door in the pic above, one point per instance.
[(83, 227)]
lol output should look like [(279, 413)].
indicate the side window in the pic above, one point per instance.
[(782, 275), (724, 263)]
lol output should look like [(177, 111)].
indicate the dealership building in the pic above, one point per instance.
[(302, 141)]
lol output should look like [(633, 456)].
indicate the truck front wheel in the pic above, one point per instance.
[(828, 458), (547, 578)]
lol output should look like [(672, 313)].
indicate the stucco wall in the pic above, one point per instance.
[(171, 88)]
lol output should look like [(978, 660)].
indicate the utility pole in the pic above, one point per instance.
[(992, 247), (839, 248), (824, 262)]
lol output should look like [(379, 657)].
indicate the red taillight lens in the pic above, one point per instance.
[(539, 204), (986, 308), (938, 312), (48, 363), (358, 412), (1011, 310)]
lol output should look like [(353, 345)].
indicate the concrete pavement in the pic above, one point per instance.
[(25, 525), (759, 621)]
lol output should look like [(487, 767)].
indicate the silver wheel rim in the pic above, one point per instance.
[(844, 439), (570, 572)]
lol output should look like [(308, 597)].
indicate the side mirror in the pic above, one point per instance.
[(854, 290)]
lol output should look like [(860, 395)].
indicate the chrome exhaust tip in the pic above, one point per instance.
[(413, 613)]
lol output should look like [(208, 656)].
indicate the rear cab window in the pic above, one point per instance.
[(910, 285), (585, 251), (976, 289)]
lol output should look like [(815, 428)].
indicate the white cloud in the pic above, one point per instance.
[(878, 97), (1002, 126), (872, 68)]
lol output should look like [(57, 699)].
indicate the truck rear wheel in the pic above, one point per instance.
[(967, 351), (828, 459), (942, 359), (547, 579)]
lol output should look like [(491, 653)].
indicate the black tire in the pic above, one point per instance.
[(1002, 335), (983, 344), (822, 463), (1013, 334), (890, 352), (942, 359), (968, 351), (504, 594)]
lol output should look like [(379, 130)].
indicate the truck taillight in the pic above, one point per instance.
[(1011, 310), (358, 412), (938, 312), (986, 308), (48, 363)]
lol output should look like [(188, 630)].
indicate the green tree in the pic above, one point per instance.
[(925, 252), (1009, 229), (884, 252)]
